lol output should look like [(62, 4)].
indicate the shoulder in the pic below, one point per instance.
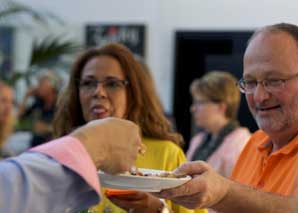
[(159, 143), (241, 131), (164, 147), (197, 138), (161, 154), (239, 135), (256, 139)]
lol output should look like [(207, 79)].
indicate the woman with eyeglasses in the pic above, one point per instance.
[(109, 82), (216, 100)]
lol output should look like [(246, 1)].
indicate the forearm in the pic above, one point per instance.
[(35, 178), (244, 199)]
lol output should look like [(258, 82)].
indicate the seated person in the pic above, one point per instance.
[(41, 111)]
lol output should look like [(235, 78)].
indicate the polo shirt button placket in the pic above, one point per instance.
[(261, 184)]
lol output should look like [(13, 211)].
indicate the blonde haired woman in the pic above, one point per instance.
[(216, 100)]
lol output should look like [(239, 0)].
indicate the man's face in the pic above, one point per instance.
[(273, 56)]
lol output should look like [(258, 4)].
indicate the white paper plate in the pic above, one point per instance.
[(140, 183)]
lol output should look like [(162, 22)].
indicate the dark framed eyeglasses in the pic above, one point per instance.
[(270, 85), (109, 84)]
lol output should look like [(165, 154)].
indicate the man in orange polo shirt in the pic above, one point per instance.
[(269, 162), (270, 83)]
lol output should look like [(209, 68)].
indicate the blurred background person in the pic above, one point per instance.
[(109, 82), (6, 116), (38, 115), (216, 100)]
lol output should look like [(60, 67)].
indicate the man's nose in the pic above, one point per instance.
[(260, 93)]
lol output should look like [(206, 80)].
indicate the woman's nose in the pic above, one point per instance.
[(100, 90)]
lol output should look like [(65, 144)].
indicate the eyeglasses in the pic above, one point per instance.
[(110, 85), (270, 85)]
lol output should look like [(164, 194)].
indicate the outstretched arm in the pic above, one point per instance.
[(208, 189), (61, 176)]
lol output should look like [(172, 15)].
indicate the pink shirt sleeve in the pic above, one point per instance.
[(71, 153)]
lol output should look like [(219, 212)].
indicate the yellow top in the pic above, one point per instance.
[(161, 155)]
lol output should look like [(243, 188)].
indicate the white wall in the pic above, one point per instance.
[(164, 17)]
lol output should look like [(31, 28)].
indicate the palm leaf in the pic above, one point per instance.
[(50, 49), (10, 11)]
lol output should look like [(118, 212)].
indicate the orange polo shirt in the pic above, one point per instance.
[(276, 172)]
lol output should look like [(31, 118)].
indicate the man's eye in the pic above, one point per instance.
[(274, 82), (250, 83)]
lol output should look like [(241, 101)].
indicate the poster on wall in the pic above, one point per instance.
[(132, 36), (6, 51)]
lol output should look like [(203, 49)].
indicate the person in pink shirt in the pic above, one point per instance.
[(61, 176), (215, 106)]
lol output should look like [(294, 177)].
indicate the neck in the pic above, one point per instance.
[(282, 138), (217, 126)]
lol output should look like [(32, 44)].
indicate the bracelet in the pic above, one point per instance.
[(165, 208)]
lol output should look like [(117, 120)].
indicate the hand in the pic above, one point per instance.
[(140, 202), (205, 189), (112, 143)]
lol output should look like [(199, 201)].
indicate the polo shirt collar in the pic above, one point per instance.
[(266, 145)]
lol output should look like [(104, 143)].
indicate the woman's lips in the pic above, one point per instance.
[(99, 112)]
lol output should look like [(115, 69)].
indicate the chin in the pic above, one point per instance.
[(100, 116), (270, 126)]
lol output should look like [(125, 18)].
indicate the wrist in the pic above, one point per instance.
[(226, 197), (164, 208)]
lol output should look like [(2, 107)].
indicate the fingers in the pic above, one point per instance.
[(130, 201), (183, 190), (142, 149), (125, 204), (195, 186), (192, 168)]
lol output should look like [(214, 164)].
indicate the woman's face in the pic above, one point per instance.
[(205, 112), (102, 89), (6, 100)]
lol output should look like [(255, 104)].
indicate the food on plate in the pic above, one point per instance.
[(136, 172)]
